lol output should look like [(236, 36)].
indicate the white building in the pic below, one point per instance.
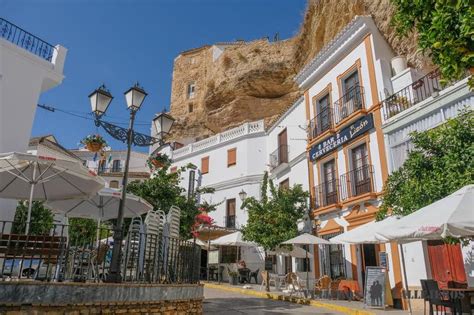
[(29, 66), (343, 86), (420, 103), (110, 165)]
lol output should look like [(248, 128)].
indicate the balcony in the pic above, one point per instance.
[(326, 194), (357, 182), (230, 222), (26, 40), (418, 91), (279, 156), (321, 123), (348, 104), (108, 170)]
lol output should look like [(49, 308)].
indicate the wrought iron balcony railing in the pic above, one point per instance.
[(106, 170), (321, 123), (326, 194), (418, 91), (230, 221), (26, 40), (349, 103), (357, 182), (279, 156)]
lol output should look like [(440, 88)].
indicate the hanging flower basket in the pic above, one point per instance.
[(94, 143), (158, 160)]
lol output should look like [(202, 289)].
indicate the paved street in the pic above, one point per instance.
[(230, 303)]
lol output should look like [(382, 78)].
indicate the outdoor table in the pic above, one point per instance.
[(461, 297), (278, 280), (349, 285)]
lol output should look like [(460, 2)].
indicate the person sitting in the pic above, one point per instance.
[(241, 264)]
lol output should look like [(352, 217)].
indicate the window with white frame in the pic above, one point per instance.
[(191, 90)]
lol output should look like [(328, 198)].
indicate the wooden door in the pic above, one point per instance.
[(283, 147), (446, 262)]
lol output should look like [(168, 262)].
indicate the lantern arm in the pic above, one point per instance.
[(121, 134)]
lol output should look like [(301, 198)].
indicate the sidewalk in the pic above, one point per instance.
[(346, 307)]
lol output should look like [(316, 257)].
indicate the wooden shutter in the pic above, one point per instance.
[(230, 207), (231, 157), (205, 165)]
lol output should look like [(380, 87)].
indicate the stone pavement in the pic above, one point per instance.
[(230, 303)]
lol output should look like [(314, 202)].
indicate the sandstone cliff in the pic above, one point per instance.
[(251, 81)]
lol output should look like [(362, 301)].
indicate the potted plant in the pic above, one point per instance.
[(233, 277), (94, 143), (396, 104), (158, 160)]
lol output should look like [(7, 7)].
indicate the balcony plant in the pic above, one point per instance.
[(396, 104), (158, 160), (94, 143)]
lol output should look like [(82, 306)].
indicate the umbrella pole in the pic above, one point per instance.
[(405, 276), (98, 233), (307, 274), (32, 191)]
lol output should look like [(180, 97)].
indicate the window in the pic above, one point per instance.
[(114, 184), (230, 211), (352, 99), (329, 183), (303, 264), (101, 166), (360, 173), (285, 184), (230, 254), (192, 60), (231, 157), (351, 82), (205, 165), (190, 108), (116, 166), (191, 90), (283, 147), (333, 259), (323, 114)]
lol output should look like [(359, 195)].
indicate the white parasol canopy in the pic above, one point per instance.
[(307, 239), (30, 177), (450, 216), (368, 233), (296, 252), (103, 206), (233, 239)]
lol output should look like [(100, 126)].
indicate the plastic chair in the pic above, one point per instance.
[(334, 289), (323, 286), (254, 275), (435, 297)]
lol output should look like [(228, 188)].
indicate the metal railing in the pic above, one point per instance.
[(26, 40), (56, 253), (357, 182), (105, 170), (326, 194), (279, 156), (230, 221), (349, 103), (414, 93), (321, 123)]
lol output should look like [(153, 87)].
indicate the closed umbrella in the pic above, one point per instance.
[(307, 239), (102, 206), (30, 177), (450, 216)]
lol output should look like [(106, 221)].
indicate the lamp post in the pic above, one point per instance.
[(100, 100), (242, 195)]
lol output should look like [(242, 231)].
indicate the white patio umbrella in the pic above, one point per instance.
[(30, 177), (233, 239), (450, 216), (307, 239), (297, 252), (102, 206), (368, 233)]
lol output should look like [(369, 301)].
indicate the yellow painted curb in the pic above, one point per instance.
[(280, 297)]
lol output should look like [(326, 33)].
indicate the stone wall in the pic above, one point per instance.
[(94, 298)]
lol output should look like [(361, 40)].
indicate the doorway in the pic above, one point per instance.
[(369, 258)]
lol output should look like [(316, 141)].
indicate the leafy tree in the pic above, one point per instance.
[(445, 30), (163, 190), (82, 231), (273, 219), (441, 162), (41, 219)]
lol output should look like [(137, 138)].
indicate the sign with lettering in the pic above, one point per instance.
[(348, 133)]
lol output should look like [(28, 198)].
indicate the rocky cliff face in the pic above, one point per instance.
[(251, 81)]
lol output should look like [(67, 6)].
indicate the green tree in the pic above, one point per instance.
[(163, 190), (441, 162), (273, 218), (445, 31), (41, 219)]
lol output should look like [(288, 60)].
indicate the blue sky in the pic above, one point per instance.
[(124, 41)]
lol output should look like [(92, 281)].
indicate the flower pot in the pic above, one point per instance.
[(233, 280), (399, 63), (94, 146)]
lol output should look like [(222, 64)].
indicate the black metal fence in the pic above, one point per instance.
[(326, 193), (349, 103), (357, 182), (57, 254), (321, 123), (279, 156), (26, 40), (230, 221)]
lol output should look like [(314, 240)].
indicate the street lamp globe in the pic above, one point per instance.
[(243, 195), (135, 97), (163, 123), (100, 100)]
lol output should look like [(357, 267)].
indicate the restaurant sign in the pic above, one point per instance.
[(348, 133)]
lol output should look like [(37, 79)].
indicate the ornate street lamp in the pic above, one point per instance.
[(162, 123), (134, 97), (243, 195)]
